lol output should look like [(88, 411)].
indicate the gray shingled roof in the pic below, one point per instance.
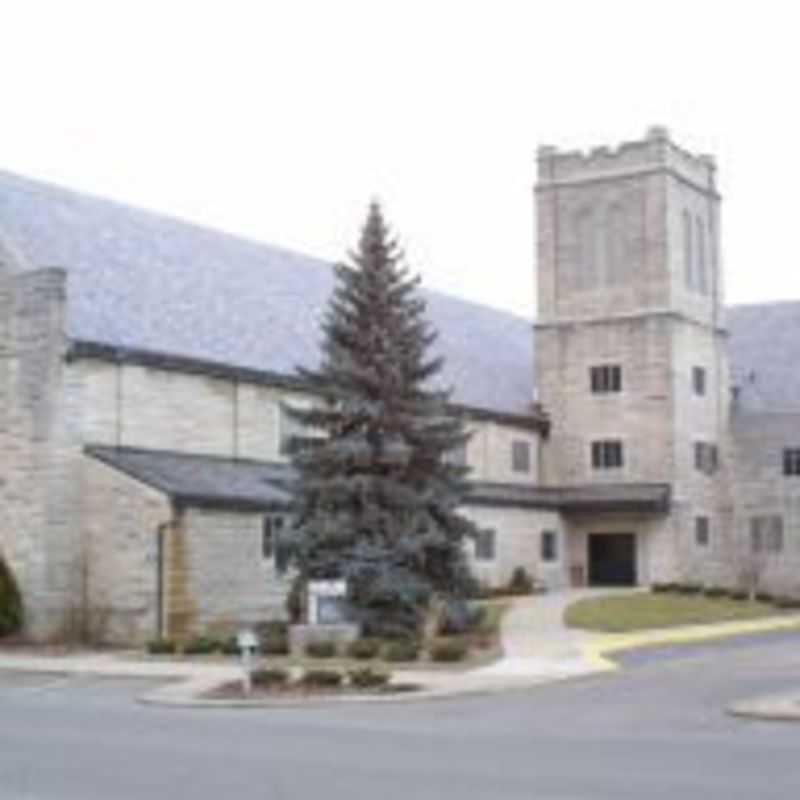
[(765, 355), (203, 480), (148, 282)]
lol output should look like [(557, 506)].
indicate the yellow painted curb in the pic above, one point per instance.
[(598, 649)]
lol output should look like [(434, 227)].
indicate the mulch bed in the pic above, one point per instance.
[(233, 691)]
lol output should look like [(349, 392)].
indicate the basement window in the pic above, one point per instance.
[(791, 461)]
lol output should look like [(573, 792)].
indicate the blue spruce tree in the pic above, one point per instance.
[(376, 498)]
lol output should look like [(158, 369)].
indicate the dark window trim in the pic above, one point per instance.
[(605, 378), (520, 455), (549, 546), (608, 454), (791, 462)]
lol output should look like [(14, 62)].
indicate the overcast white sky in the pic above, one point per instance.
[(280, 120)]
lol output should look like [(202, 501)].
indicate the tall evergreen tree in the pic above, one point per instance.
[(376, 497)]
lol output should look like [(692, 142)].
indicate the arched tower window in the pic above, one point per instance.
[(616, 250), (702, 271), (585, 250), (688, 266)]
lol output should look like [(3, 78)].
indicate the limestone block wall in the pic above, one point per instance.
[(640, 415), (518, 544), (217, 576), (122, 518), (760, 488), (40, 443)]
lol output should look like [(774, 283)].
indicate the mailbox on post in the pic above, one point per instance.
[(247, 642)]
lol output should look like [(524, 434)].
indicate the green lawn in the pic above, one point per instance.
[(636, 612)]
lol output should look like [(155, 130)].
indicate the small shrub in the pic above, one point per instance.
[(716, 591), (161, 647), (230, 646), (273, 638), (663, 588), (448, 650), (786, 602), (11, 612), (364, 649), (322, 678), (521, 583), (688, 588), (321, 649), (401, 650), (738, 595), (269, 678), (368, 678), (764, 597), (201, 646)]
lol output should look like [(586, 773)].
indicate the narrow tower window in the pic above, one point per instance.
[(702, 277), (688, 266)]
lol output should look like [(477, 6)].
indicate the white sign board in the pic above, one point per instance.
[(326, 602)]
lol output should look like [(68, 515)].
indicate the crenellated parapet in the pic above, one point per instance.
[(655, 152)]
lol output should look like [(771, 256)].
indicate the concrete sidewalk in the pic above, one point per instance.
[(537, 647)]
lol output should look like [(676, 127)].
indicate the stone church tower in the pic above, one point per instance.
[(631, 358)]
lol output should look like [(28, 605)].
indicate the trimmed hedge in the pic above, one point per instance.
[(162, 647), (201, 646), (401, 650), (321, 649), (364, 649), (11, 613), (368, 678), (322, 678), (269, 677)]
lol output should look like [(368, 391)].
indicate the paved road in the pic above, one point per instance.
[(655, 730)]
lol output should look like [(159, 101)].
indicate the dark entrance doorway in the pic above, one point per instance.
[(612, 559)]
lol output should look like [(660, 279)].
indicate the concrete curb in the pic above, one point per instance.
[(779, 708), (601, 646)]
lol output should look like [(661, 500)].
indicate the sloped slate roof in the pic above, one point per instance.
[(143, 281), (765, 356), (202, 480)]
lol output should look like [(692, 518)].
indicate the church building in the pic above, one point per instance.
[(639, 431)]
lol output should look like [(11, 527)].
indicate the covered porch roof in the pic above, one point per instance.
[(634, 497)]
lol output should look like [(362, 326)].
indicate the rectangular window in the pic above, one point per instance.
[(706, 457), (485, 545), (270, 532), (607, 454), (293, 433), (791, 461), (520, 456), (699, 381), (549, 546), (702, 532), (766, 534), (606, 378)]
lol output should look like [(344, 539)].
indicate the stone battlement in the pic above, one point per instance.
[(656, 151)]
